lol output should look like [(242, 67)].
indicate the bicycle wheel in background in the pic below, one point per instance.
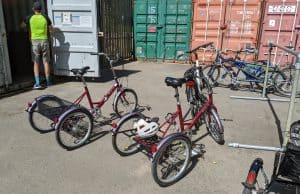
[(171, 160), (122, 138), (212, 72), (37, 119), (214, 126), (74, 129), (126, 101), (283, 81)]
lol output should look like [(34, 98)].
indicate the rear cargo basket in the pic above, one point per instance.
[(53, 108)]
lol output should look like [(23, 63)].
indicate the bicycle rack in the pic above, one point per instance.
[(264, 98)]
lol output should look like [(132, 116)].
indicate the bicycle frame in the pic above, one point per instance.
[(102, 101), (182, 122), (256, 69)]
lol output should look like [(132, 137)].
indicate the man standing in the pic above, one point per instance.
[(38, 25)]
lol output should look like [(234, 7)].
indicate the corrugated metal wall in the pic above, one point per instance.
[(208, 17), (162, 28), (280, 20), (242, 18)]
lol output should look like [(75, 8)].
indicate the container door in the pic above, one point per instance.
[(75, 36), (147, 29), (280, 20), (5, 72), (162, 28), (208, 17), (243, 21), (177, 28)]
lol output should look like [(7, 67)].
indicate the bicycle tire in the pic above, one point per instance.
[(126, 128), (73, 126), (164, 153), (285, 87), (216, 133), (35, 113), (212, 72), (129, 103)]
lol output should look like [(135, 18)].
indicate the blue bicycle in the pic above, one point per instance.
[(231, 72)]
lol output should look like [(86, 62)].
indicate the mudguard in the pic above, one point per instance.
[(72, 108), (124, 118), (173, 135), (250, 181)]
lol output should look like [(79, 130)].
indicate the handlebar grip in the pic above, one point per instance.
[(201, 46), (180, 55)]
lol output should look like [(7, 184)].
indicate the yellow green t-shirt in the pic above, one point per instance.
[(38, 25)]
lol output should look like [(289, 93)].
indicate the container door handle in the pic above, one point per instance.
[(159, 26)]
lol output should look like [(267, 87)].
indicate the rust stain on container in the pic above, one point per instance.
[(242, 20), (280, 20), (208, 17)]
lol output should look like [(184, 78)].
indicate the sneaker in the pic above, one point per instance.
[(37, 86)]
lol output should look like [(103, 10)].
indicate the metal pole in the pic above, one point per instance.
[(292, 102), (260, 98), (267, 73), (255, 147)]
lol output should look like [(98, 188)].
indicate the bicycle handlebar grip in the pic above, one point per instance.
[(180, 55), (201, 46)]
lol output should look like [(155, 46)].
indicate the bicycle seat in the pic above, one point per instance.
[(174, 82), (81, 71)]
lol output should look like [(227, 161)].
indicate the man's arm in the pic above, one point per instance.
[(49, 23), (25, 22)]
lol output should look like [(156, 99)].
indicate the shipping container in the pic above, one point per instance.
[(242, 20), (18, 44), (208, 16), (279, 23), (5, 72), (84, 27), (162, 28)]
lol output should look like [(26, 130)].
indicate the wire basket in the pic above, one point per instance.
[(53, 108)]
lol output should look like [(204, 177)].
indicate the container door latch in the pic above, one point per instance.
[(100, 34)]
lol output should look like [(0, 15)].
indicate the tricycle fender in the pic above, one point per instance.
[(115, 128), (164, 140)]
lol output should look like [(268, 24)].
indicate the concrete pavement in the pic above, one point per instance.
[(34, 163)]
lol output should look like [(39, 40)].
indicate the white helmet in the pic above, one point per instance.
[(145, 129)]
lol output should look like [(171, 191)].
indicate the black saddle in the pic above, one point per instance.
[(175, 82), (81, 71)]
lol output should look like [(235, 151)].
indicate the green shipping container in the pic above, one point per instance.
[(162, 28)]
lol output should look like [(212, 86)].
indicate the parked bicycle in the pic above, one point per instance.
[(169, 145), (73, 122), (234, 71)]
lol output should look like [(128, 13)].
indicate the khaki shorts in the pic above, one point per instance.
[(40, 48)]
